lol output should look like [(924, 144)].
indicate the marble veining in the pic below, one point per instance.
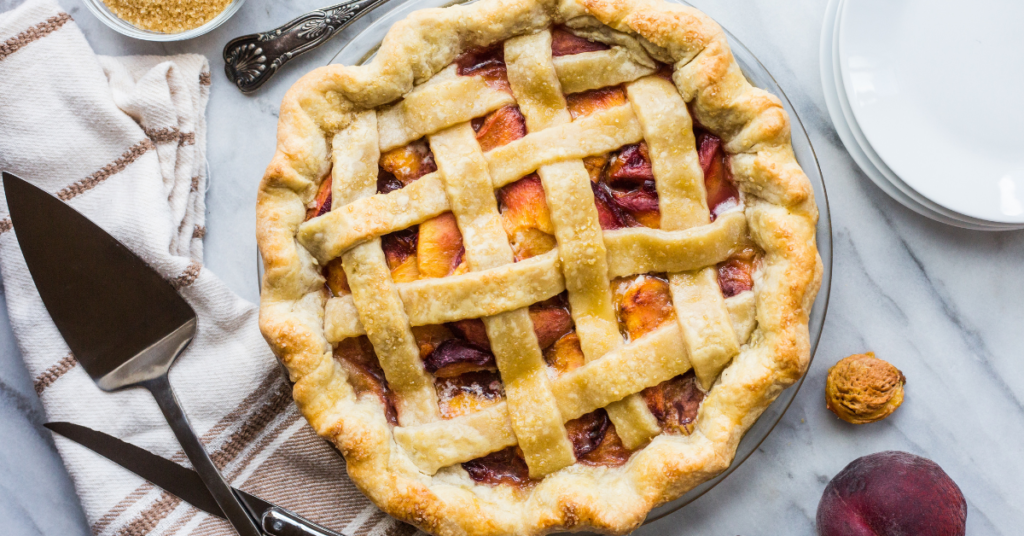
[(942, 304)]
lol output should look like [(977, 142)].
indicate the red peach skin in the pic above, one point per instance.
[(892, 494)]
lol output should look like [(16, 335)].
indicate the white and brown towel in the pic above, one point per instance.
[(122, 140)]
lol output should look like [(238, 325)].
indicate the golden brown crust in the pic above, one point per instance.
[(780, 214)]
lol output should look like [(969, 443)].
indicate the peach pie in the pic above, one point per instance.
[(539, 264)]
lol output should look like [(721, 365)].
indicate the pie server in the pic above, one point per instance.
[(123, 322), (185, 483)]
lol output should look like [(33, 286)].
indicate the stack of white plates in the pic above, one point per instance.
[(928, 97)]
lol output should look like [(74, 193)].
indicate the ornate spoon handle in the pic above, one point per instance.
[(250, 60)]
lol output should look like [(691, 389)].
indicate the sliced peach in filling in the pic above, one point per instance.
[(631, 183), (642, 204), (595, 100), (439, 251), (488, 63), (610, 213), (565, 43), (566, 354), (643, 303), (610, 452), (468, 393), (506, 466), (721, 190), (595, 166), (337, 281), (455, 356), (675, 403), (471, 330), (322, 202), (428, 338), (594, 440), (466, 375), (386, 182), (400, 252), (736, 274), (360, 362), (630, 167), (500, 127), (525, 217), (409, 162), (587, 431), (551, 320), (624, 190)]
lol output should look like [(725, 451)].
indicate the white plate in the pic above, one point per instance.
[(936, 93), (860, 149), (829, 76), (879, 164)]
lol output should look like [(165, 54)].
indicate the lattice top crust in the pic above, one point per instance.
[(601, 361)]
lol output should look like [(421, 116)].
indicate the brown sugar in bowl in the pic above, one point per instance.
[(163, 20)]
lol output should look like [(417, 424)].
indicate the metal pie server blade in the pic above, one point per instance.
[(108, 304), (184, 483), (123, 322)]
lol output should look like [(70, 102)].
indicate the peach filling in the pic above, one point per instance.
[(675, 403), (322, 201), (499, 127), (357, 357), (736, 274), (524, 211), (439, 251), (595, 100), (565, 43), (443, 251), (595, 442), (468, 393), (454, 357), (721, 190), (400, 251), (525, 217), (404, 164), (643, 304), (506, 466), (471, 330), (551, 322), (623, 182), (336, 280), (488, 63), (459, 356)]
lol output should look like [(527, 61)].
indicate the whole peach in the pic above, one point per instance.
[(892, 494)]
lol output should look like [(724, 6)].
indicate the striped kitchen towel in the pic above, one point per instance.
[(122, 140)]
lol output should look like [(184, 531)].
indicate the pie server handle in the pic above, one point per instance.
[(250, 60), (279, 522), (240, 518)]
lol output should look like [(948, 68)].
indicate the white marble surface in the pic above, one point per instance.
[(943, 304)]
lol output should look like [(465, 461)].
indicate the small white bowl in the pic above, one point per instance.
[(102, 12)]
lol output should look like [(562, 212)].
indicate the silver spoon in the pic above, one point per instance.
[(250, 60)]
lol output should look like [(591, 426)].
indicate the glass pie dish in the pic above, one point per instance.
[(359, 47)]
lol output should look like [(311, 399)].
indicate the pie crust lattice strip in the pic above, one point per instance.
[(673, 66)]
